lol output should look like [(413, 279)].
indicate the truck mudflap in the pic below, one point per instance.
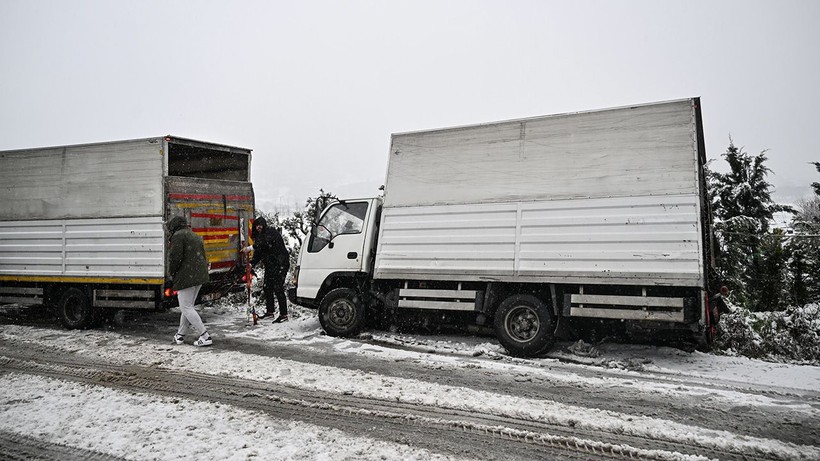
[(714, 307)]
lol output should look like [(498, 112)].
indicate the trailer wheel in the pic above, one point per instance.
[(524, 326), (74, 309), (342, 312)]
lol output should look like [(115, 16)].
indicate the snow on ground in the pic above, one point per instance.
[(145, 426), (450, 349), (228, 321)]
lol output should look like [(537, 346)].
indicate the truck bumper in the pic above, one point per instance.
[(304, 302)]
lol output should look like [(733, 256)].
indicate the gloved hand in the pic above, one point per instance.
[(247, 249)]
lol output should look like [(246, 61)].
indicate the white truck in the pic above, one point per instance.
[(523, 224), (82, 226)]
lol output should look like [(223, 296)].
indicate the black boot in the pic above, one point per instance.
[(281, 318)]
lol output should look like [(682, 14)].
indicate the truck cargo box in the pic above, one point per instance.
[(606, 197)]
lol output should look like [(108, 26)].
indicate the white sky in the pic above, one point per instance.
[(315, 88)]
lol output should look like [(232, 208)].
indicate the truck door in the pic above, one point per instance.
[(336, 244)]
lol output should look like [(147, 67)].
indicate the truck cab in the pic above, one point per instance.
[(339, 250)]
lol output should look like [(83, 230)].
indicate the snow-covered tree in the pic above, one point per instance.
[(298, 224), (751, 260), (804, 248), (744, 190)]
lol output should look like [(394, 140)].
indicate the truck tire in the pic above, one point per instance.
[(341, 312), (524, 326), (74, 309)]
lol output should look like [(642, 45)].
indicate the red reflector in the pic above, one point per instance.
[(169, 292)]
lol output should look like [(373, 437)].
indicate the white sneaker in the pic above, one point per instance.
[(179, 339), (204, 340)]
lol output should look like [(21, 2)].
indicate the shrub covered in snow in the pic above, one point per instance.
[(792, 335)]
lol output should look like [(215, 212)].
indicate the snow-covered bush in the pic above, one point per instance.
[(792, 335)]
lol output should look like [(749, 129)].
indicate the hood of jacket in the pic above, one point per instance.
[(260, 221), (177, 223)]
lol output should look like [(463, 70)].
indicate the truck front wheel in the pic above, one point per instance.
[(74, 309), (524, 326), (342, 312)]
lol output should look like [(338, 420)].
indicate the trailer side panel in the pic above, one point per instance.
[(108, 180), (110, 250), (640, 240), (633, 151)]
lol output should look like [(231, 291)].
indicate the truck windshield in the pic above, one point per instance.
[(347, 218)]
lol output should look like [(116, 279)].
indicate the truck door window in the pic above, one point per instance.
[(339, 219)]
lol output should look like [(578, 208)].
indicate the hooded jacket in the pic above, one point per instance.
[(269, 248), (187, 261)]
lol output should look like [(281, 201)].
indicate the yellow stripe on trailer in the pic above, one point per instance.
[(62, 279), (216, 207), (230, 208), (217, 232), (221, 255), (217, 242), (196, 205)]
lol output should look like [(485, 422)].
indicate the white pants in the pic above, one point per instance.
[(189, 317)]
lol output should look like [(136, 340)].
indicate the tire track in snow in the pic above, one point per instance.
[(17, 447), (456, 432)]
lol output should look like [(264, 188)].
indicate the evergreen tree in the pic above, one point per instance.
[(804, 249), (744, 191), (751, 261), (767, 274)]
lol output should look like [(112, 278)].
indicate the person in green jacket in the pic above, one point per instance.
[(188, 269)]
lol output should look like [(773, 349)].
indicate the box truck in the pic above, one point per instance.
[(524, 225), (82, 226)]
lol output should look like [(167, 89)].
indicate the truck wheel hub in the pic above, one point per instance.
[(341, 312), (73, 309), (522, 323)]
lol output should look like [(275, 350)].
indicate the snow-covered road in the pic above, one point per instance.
[(655, 403)]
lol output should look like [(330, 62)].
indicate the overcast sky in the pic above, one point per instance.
[(316, 88)]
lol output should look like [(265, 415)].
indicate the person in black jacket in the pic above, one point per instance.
[(269, 248)]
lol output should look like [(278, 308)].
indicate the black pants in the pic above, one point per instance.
[(274, 289)]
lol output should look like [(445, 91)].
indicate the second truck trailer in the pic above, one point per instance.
[(82, 226)]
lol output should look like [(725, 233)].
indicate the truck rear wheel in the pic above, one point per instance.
[(524, 326), (342, 312), (74, 309)]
